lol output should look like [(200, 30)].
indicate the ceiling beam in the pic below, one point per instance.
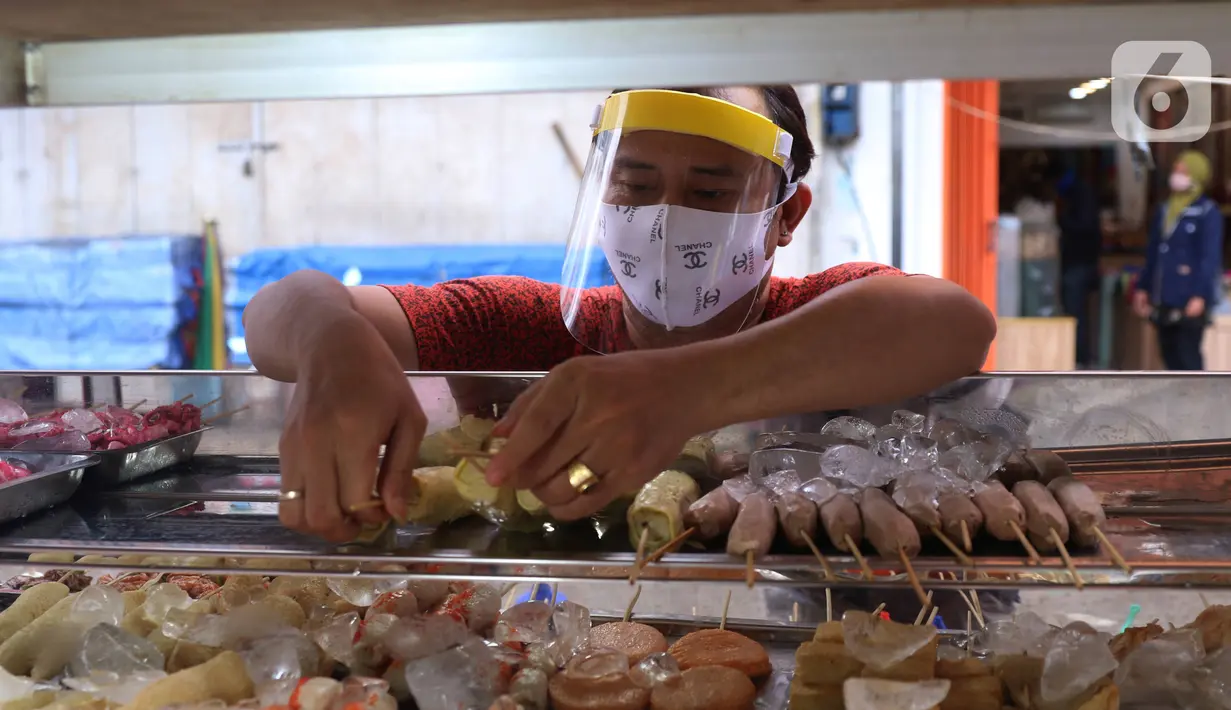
[(75, 20), (1004, 43)]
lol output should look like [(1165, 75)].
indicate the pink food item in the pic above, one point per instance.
[(10, 471)]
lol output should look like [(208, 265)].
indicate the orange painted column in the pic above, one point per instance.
[(971, 174)]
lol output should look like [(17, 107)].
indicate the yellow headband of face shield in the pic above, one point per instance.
[(693, 114)]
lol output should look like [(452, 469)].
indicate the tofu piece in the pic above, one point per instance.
[(810, 697), (829, 632), (964, 668), (975, 693), (823, 664)]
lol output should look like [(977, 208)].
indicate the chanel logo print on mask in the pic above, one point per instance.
[(699, 262)]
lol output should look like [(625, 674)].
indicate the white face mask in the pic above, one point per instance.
[(1180, 182), (680, 266)]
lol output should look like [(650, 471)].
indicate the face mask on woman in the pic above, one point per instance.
[(1180, 182)]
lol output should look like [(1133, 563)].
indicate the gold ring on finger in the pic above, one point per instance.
[(581, 477)]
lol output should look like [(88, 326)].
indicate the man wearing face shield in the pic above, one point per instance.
[(688, 194)]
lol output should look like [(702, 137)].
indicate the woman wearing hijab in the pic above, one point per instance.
[(1182, 277)]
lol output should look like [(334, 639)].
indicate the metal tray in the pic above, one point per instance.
[(119, 466), (54, 479)]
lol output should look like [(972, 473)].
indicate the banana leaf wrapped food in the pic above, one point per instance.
[(659, 509)]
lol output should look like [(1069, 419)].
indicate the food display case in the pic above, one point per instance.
[(1155, 449)]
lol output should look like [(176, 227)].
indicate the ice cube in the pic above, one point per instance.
[(119, 690), (948, 433), (655, 669), (529, 688), (800, 463), (64, 441), (528, 622), (1211, 683), (917, 452), (852, 428), (1159, 670), (401, 602), (1025, 633), (420, 637), (599, 663), (33, 429), (739, 487), (162, 599), (819, 490), (109, 649), (11, 412), (1075, 661), (82, 420), (965, 462), (97, 605), (879, 643), (338, 636), (363, 592), (359, 692), (908, 420), (178, 621), (13, 687), (235, 596), (570, 623), (466, 676), (782, 482), (276, 663), (849, 464), (877, 694), (918, 494)]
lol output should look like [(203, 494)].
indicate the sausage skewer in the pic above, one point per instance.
[(1045, 519), (843, 525), (753, 531), (1004, 516), (1085, 513)]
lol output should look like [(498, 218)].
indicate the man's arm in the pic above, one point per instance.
[(290, 317), (878, 339)]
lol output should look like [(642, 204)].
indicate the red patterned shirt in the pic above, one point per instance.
[(514, 324)]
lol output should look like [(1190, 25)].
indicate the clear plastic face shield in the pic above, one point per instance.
[(679, 194)]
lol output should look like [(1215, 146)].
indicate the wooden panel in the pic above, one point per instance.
[(91, 19), (163, 171), (1036, 344), (12, 173), (410, 170), (108, 187), (971, 178), (226, 186), (472, 177), (320, 183), (52, 189)]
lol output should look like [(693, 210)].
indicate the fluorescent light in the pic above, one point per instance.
[(1078, 93)]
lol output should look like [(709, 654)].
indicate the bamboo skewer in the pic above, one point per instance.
[(224, 415), (1204, 601), (966, 541), (828, 605), (1112, 552), (1025, 541), (628, 610), (134, 407), (637, 563), (969, 636), (932, 615), (750, 570), (181, 400), (795, 612), (879, 609), (923, 610), (1064, 555), (555, 591), (962, 558), (726, 606), (914, 578), (863, 564), (210, 403), (673, 542), (829, 575)]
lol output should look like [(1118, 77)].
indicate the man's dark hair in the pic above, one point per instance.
[(785, 110)]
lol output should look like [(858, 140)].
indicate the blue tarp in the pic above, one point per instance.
[(120, 303), (422, 265)]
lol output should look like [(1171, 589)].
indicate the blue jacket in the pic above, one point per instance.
[(1188, 261)]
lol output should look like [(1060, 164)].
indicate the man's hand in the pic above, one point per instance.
[(1195, 307), (626, 417), (1141, 304)]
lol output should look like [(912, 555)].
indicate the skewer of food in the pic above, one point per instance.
[(105, 428)]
